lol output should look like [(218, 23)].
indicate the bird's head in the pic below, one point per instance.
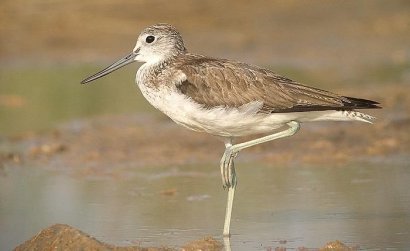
[(155, 44)]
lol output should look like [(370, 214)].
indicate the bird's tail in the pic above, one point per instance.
[(359, 116)]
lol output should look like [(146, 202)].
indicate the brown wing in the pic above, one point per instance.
[(215, 82)]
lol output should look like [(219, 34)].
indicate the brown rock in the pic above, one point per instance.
[(64, 237)]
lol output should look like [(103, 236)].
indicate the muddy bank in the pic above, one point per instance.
[(107, 145)]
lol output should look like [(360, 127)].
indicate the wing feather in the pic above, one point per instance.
[(215, 82)]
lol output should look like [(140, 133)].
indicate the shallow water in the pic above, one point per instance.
[(365, 206)]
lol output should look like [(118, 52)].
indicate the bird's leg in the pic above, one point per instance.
[(293, 128), (228, 212), (229, 181), (228, 169)]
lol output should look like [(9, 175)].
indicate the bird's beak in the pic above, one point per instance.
[(115, 66)]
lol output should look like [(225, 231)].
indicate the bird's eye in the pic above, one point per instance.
[(150, 39)]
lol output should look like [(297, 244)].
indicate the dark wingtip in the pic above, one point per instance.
[(359, 103)]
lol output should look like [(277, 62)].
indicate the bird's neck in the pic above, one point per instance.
[(149, 72), (166, 56), (159, 64)]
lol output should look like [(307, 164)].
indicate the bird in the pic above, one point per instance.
[(227, 98)]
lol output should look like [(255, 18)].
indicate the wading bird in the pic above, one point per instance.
[(227, 98)]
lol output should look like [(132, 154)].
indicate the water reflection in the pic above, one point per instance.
[(289, 207)]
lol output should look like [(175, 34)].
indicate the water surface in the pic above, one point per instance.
[(365, 206)]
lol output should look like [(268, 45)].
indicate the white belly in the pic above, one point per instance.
[(221, 121)]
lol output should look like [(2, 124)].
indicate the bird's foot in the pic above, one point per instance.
[(228, 168)]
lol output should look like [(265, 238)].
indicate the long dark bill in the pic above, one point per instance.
[(115, 66)]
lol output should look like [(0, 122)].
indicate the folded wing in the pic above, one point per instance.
[(213, 83)]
